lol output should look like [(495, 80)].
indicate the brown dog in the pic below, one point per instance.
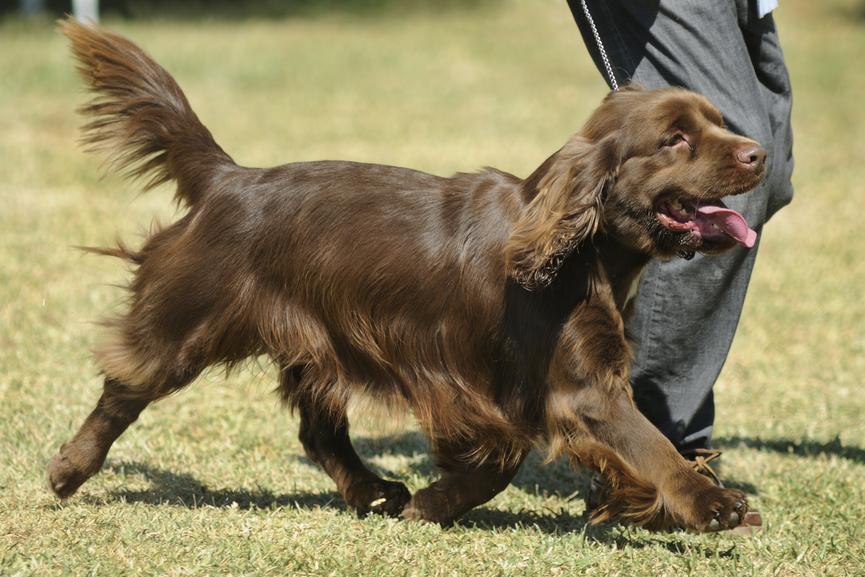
[(489, 305)]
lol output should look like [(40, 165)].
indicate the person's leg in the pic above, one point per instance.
[(686, 312)]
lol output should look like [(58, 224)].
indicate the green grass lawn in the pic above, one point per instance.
[(213, 481)]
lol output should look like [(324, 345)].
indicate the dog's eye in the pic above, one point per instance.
[(678, 139)]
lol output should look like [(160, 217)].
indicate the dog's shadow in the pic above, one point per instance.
[(184, 490), (556, 479), (537, 478)]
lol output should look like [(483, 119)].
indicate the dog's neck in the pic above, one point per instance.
[(623, 267)]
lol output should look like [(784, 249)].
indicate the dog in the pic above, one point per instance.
[(490, 306)]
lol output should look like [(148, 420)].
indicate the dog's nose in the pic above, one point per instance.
[(751, 155)]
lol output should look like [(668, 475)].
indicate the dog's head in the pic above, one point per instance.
[(649, 168)]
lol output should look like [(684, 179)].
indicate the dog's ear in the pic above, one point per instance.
[(565, 209)]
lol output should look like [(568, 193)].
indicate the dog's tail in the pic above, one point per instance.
[(139, 116)]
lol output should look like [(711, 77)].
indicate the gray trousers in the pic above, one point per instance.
[(686, 312)]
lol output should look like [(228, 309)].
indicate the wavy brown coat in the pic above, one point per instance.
[(488, 305)]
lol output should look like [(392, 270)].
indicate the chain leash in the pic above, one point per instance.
[(604, 57)]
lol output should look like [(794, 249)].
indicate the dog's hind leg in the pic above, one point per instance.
[(324, 435), (170, 366), (82, 456), (187, 312), (463, 485), (120, 404)]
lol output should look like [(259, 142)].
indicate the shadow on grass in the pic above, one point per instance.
[(556, 479), (182, 489), (535, 477), (611, 534), (802, 448)]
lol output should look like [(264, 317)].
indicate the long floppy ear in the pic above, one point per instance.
[(565, 210)]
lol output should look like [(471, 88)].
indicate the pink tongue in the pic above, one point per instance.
[(728, 221)]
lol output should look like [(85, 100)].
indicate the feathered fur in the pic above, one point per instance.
[(488, 305)]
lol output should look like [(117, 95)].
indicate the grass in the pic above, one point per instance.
[(213, 482)]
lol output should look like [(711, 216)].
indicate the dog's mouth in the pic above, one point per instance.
[(705, 222)]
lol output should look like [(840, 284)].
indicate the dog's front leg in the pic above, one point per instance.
[(650, 482), (464, 484)]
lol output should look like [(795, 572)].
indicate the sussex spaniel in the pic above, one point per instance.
[(488, 305)]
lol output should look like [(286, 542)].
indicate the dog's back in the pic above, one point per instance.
[(348, 270)]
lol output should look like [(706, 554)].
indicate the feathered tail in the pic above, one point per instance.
[(139, 116)]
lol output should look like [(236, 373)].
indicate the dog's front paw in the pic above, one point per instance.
[(428, 505), (716, 509)]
